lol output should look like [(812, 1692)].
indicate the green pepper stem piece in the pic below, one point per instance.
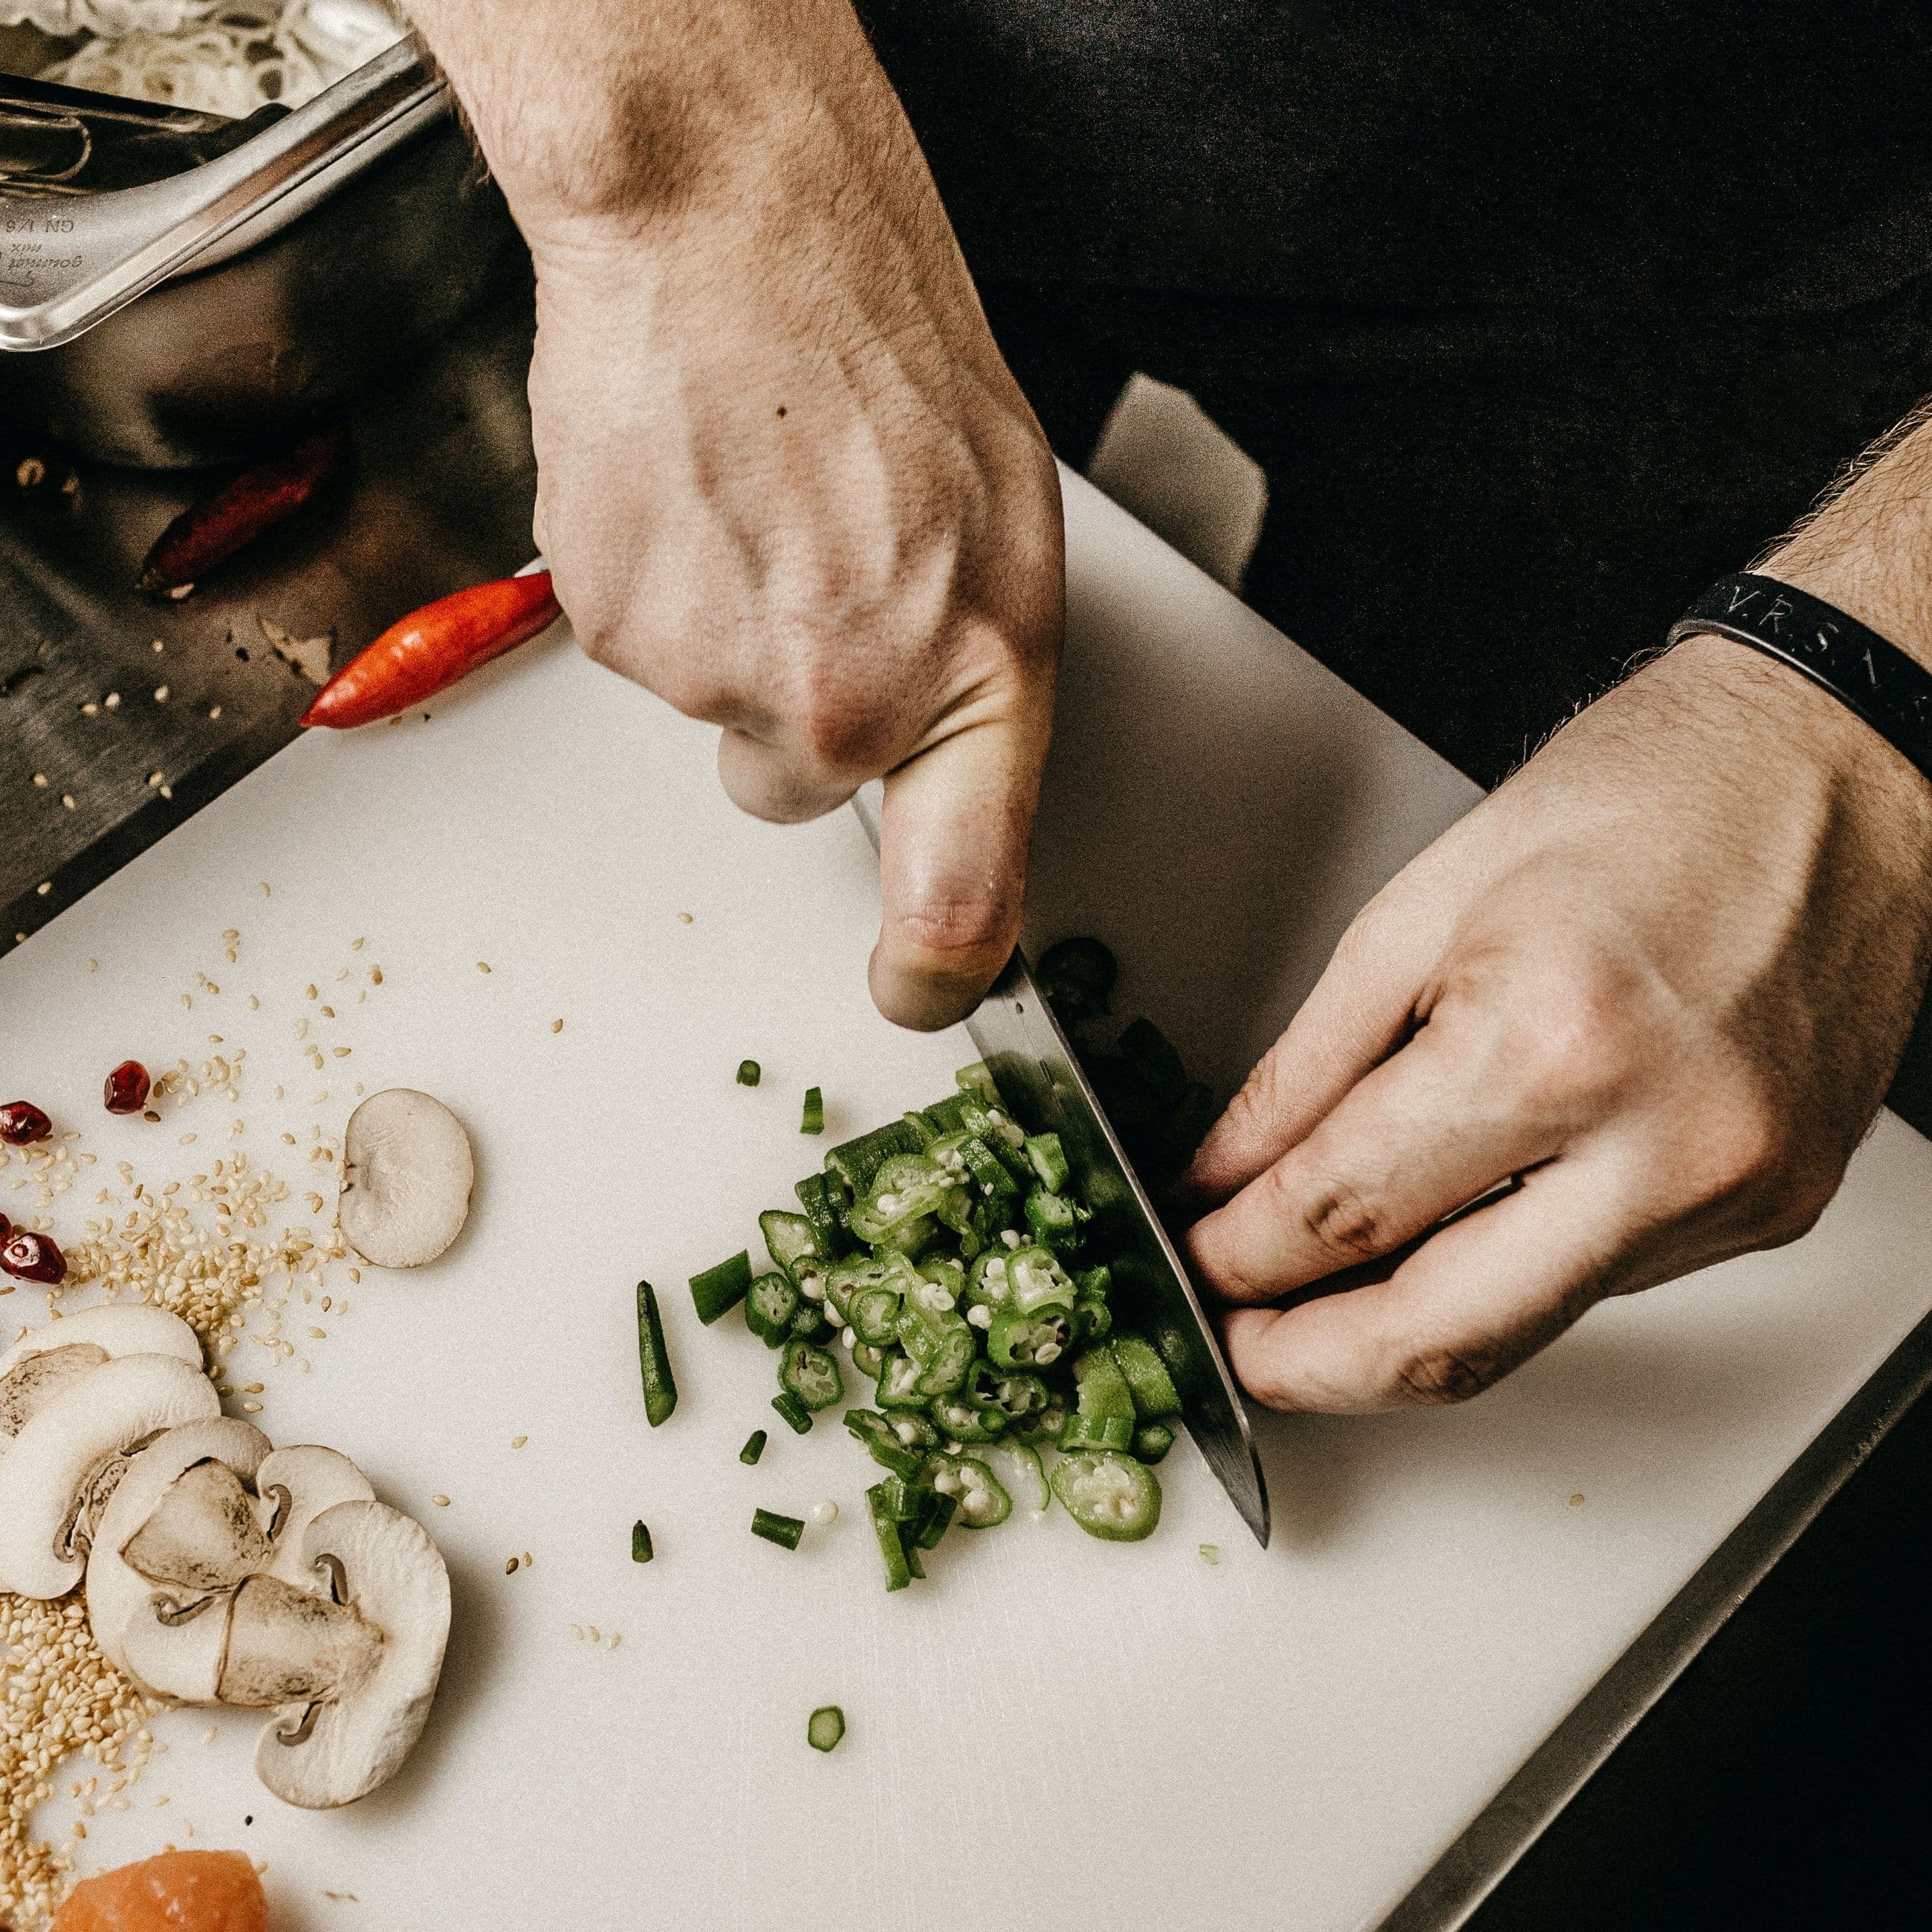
[(754, 1447), (719, 1289), (749, 1073), (641, 1543), (784, 1531), (825, 1727), (653, 1359), (892, 1545), (813, 1119)]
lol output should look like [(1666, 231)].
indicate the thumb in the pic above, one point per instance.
[(954, 836)]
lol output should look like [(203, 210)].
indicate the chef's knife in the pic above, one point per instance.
[(1040, 1078)]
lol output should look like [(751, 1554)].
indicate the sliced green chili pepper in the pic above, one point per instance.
[(1109, 1496), (653, 1359), (1014, 1392), (1023, 1478), (856, 1161), (812, 1121), (1044, 1425), (1055, 1222), (1152, 1440), (923, 1131), (783, 1530), (816, 1197), (719, 1289), (983, 1504), (964, 1423), (641, 1543), (788, 1238), (1049, 1161), (754, 1447), (977, 1080), (1037, 1280), (883, 1446), (749, 1073), (809, 1323), (874, 1311), (935, 1517), (825, 1727), (868, 1359), (1105, 1419), (892, 1545), (793, 1411), (1017, 1341), (1092, 1322), (998, 1131), (811, 1375), (943, 1116), (769, 1308), (898, 1382), (1147, 1379)]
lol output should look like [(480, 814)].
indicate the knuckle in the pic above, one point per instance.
[(1341, 1222), (1435, 1376), (1566, 1035), (959, 926)]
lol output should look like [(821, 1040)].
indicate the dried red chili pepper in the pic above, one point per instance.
[(269, 493), (126, 1089), (22, 1123), (31, 1257), (429, 650)]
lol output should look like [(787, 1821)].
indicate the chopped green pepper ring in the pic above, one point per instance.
[(1105, 1418), (1055, 1222), (874, 1311), (886, 1449), (964, 1423), (811, 1375), (1015, 1393), (811, 1120), (1146, 1377), (825, 1727), (641, 1543), (1017, 1341), (1109, 1496), (788, 1238), (1152, 1440), (978, 1080), (1044, 1425), (1092, 1322), (899, 1383), (815, 1196), (749, 1073), (987, 1284), (808, 1323), (769, 1308), (1049, 1161), (1037, 1280), (868, 1359), (855, 1161), (983, 1503)]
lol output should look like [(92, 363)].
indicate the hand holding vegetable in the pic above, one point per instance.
[(786, 480)]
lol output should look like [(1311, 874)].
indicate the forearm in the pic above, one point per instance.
[(630, 110)]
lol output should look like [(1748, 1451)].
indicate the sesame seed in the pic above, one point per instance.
[(517, 1441), (482, 965), (41, 779), (44, 888), (684, 919), (113, 700), (161, 694), (510, 1567), (441, 1502), (251, 1407)]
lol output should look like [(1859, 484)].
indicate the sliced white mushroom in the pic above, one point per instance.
[(57, 1478), (407, 1172), (115, 1591), (203, 1535), (334, 1749), (46, 1360), (290, 1646), (295, 1486), (175, 1646)]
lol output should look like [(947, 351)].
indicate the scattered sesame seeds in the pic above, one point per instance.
[(684, 919), (113, 700), (251, 1407), (41, 779), (517, 1441), (510, 1567), (482, 965), (556, 1026)]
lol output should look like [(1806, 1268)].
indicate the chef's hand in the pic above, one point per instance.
[(784, 479), (1661, 978)]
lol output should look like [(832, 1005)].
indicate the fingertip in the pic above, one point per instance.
[(921, 996)]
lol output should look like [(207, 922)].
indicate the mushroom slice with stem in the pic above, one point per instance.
[(331, 1749), (175, 1645), (47, 1359), (295, 1485), (56, 1479), (407, 1174), (203, 1535), (115, 1591), (291, 1646)]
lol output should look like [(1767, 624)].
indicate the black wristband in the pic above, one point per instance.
[(1891, 692)]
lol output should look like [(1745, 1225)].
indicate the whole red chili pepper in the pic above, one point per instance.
[(429, 650), (238, 512)]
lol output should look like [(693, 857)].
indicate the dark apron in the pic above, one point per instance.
[(1538, 317)]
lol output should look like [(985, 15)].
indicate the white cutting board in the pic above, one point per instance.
[(1050, 1729)]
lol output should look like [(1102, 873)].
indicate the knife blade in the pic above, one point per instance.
[(1040, 1078)]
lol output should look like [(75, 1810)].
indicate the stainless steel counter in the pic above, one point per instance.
[(95, 764)]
